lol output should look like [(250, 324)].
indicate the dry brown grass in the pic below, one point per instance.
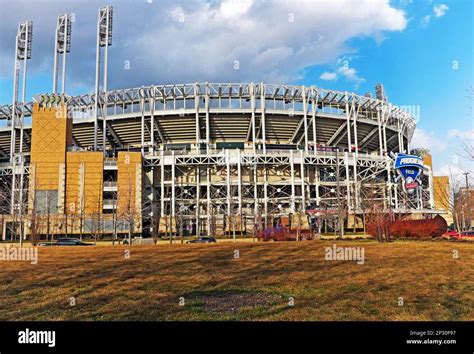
[(257, 286)]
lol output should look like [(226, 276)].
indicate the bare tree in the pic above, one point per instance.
[(14, 205), (212, 219), (462, 208), (233, 213), (375, 213), (5, 205), (34, 217), (342, 206), (114, 199), (449, 199), (97, 218), (467, 141), (127, 209)]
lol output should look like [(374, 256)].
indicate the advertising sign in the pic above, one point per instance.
[(409, 168)]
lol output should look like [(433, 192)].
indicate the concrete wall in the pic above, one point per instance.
[(51, 134), (442, 196), (129, 186), (84, 182)]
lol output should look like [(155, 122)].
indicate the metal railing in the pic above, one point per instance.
[(110, 161), (225, 95), (109, 202), (110, 184), (269, 152)]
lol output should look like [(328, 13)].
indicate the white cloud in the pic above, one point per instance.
[(233, 8), (440, 10), (448, 150), (461, 134), (176, 14), (449, 169), (261, 36), (270, 40), (344, 70), (424, 139), (273, 56), (350, 74), (328, 76), (454, 171)]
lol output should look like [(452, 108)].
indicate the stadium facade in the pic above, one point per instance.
[(200, 158), (207, 158)]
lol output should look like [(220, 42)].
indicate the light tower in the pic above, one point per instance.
[(380, 92), (62, 46), (104, 39), (23, 45)]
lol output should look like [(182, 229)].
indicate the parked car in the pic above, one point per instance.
[(65, 242), (469, 234), (463, 235), (451, 233), (139, 241), (203, 239)]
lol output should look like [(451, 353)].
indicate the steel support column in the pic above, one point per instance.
[(252, 106), (198, 201), (208, 128), (292, 176), (196, 108), (262, 108), (314, 107), (303, 189), (305, 112)]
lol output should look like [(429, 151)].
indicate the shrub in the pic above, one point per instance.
[(424, 229), (282, 234), (274, 234)]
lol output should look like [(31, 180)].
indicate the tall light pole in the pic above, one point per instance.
[(468, 200), (62, 46), (339, 205), (24, 39), (104, 39), (23, 46)]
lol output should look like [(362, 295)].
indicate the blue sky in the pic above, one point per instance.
[(422, 51), (430, 65)]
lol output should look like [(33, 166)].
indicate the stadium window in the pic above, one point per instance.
[(46, 202)]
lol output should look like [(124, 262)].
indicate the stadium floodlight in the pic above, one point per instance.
[(104, 39), (23, 46), (105, 26), (63, 33), (380, 92), (62, 46), (24, 40)]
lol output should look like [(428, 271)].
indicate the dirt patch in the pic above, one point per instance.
[(225, 302)]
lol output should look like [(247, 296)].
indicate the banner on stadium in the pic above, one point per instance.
[(409, 168)]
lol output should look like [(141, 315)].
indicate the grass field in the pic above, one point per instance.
[(206, 282)]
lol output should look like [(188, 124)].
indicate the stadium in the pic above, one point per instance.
[(198, 158)]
